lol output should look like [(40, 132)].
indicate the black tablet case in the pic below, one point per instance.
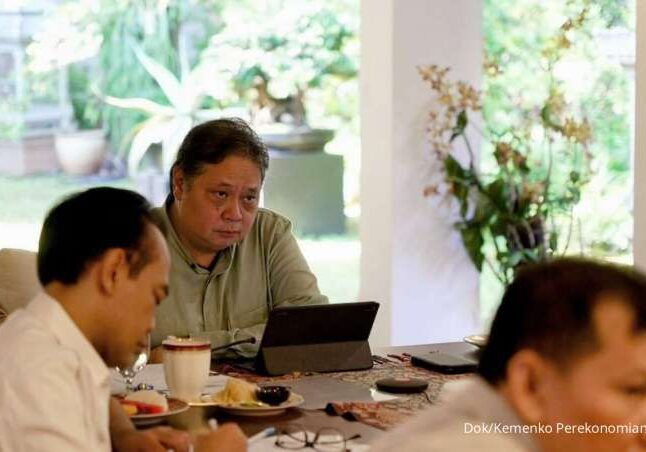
[(317, 338)]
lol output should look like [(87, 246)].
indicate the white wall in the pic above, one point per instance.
[(639, 237), (412, 261), (376, 227)]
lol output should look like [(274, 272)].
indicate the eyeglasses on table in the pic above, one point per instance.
[(324, 440)]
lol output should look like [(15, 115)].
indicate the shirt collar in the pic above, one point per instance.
[(67, 334)]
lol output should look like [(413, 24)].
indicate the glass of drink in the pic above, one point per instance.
[(128, 373), (186, 367)]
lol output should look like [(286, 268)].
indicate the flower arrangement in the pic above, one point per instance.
[(521, 209)]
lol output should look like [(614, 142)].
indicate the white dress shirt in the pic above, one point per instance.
[(54, 386), (450, 426)]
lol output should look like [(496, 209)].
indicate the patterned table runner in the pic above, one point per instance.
[(382, 415)]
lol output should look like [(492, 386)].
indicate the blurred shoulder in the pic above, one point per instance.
[(437, 429), (269, 221), (25, 336)]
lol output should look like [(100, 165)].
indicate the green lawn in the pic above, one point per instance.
[(335, 262), (24, 201)]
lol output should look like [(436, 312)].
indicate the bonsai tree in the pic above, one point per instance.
[(274, 70)]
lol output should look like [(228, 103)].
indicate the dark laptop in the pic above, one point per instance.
[(447, 358), (315, 338)]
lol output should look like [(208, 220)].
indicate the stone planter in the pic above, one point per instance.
[(300, 139), (81, 152), (28, 155)]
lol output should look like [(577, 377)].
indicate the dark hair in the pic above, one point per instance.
[(83, 226), (214, 141), (548, 308)]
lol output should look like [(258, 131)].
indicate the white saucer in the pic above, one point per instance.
[(479, 340)]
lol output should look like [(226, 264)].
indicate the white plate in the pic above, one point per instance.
[(261, 409), (174, 406), (479, 340)]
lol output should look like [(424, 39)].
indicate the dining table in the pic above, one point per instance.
[(346, 401)]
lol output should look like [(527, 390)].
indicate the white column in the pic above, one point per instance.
[(413, 261), (639, 166)]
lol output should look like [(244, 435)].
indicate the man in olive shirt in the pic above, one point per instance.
[(231, 262)]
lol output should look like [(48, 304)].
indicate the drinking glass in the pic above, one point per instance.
[(140, 361)]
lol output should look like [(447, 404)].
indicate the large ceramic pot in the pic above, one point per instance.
[(300, 139), (81, 152)]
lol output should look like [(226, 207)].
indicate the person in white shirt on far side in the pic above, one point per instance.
[(104, 268)]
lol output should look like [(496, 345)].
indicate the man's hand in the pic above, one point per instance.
[(152, 440), (227, 438)]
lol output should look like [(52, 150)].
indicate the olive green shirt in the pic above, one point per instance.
[(232, 301)]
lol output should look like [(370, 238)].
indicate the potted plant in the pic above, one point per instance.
[(106, 33), (276, 73), (63, 48), (521, 209), (81, 148), (167, 124), (80, 152)]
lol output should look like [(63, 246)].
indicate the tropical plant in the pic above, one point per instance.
[(319, 52), (107, 32), (542, 162), (167, 124)]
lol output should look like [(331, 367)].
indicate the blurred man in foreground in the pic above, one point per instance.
[(564, 369), (104, 268)]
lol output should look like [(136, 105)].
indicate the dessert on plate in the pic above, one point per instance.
[(237, 392), (144, 402)]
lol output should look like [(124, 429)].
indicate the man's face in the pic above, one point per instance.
[(216, 208), (607, 387), (135, 303)]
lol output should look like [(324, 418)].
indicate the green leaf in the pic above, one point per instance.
[(453, 168), (176, 129), (484, 210), (150, 132), (498, 227), (460, 125), (531, 255), (553, 241), (139, 103), (473, 241), (498, 192), (514, 258), (575, 195), (166, 80), (548, 121), (575, 176), (459, 178)]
